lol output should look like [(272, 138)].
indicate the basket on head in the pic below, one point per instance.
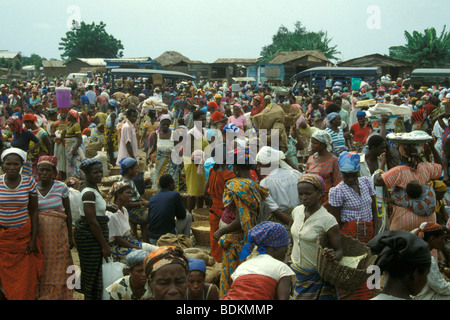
[(200, 214), (339, 275), (200, 230)]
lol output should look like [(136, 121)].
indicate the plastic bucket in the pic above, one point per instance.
[(63, 97), (356, 84)]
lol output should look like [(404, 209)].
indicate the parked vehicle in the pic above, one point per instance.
[(323, 78)]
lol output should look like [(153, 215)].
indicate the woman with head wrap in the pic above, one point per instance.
[(242, 200), (193, 164), (164, 145), (197, 288), (21, 261), (310, 220), (406, 260), (73, 146), (91, 230), (339, 139), (437, 287), (137, 206), (22, 139), (46, 146), (55, 231), (353, 204), (219, 174), (120, 238), (360, 131), (238, 118), (412, 169), (166, 269), (266, 276), (133, 286), (323, 163)]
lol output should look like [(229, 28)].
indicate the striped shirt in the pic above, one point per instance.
[(53, 199), (14, 202), (338, 141)]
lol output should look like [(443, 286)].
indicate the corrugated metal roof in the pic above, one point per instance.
[(8, 55), (287, 56), (95, 62), (53, 64), (245, 61)]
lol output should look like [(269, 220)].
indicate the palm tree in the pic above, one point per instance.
[(427, 50)]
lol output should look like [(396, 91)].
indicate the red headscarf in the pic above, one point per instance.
[(427, 227), (213, 104), (75, 114), (16, 124), (29, 117)]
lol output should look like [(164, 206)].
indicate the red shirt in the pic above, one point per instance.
[(360, 134)]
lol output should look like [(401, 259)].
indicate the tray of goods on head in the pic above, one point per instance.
[(351, 271), (413, 137)]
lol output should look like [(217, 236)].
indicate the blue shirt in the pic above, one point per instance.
[(163, 207), (84, 100)]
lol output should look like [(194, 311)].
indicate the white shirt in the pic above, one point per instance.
[(305, 234), (283, 194), (100, 203), (118, 224), (437, 288), (265, 265)]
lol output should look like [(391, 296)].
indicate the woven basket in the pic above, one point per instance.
[(201, 230), (343, 277), (200, 214)]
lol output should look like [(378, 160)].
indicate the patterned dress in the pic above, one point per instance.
[(247, 197), (328, 170), (55, 244)]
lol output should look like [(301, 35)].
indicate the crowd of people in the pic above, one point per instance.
[(272, 186)]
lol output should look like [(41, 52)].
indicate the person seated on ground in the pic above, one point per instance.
[(120, 239), (266, 276), (436, 288), (418, 198), (166, 212), (134, 285), (406, 260), (197, 288)]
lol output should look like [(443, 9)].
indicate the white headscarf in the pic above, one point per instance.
[(17, 151), (268, 155), (324, 137)]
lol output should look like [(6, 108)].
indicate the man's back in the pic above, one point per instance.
[(163, 207)]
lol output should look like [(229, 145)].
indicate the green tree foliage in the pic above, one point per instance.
[(90, 41), (33, 60), (298, 40), (424, 50)]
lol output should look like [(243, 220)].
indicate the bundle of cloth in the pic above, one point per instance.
[(272, 118)]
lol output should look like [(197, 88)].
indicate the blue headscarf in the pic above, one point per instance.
[(265, 234), (197, 265), (360, 114), (126, 163), (332, 115), (135, 258), (349, 162)]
